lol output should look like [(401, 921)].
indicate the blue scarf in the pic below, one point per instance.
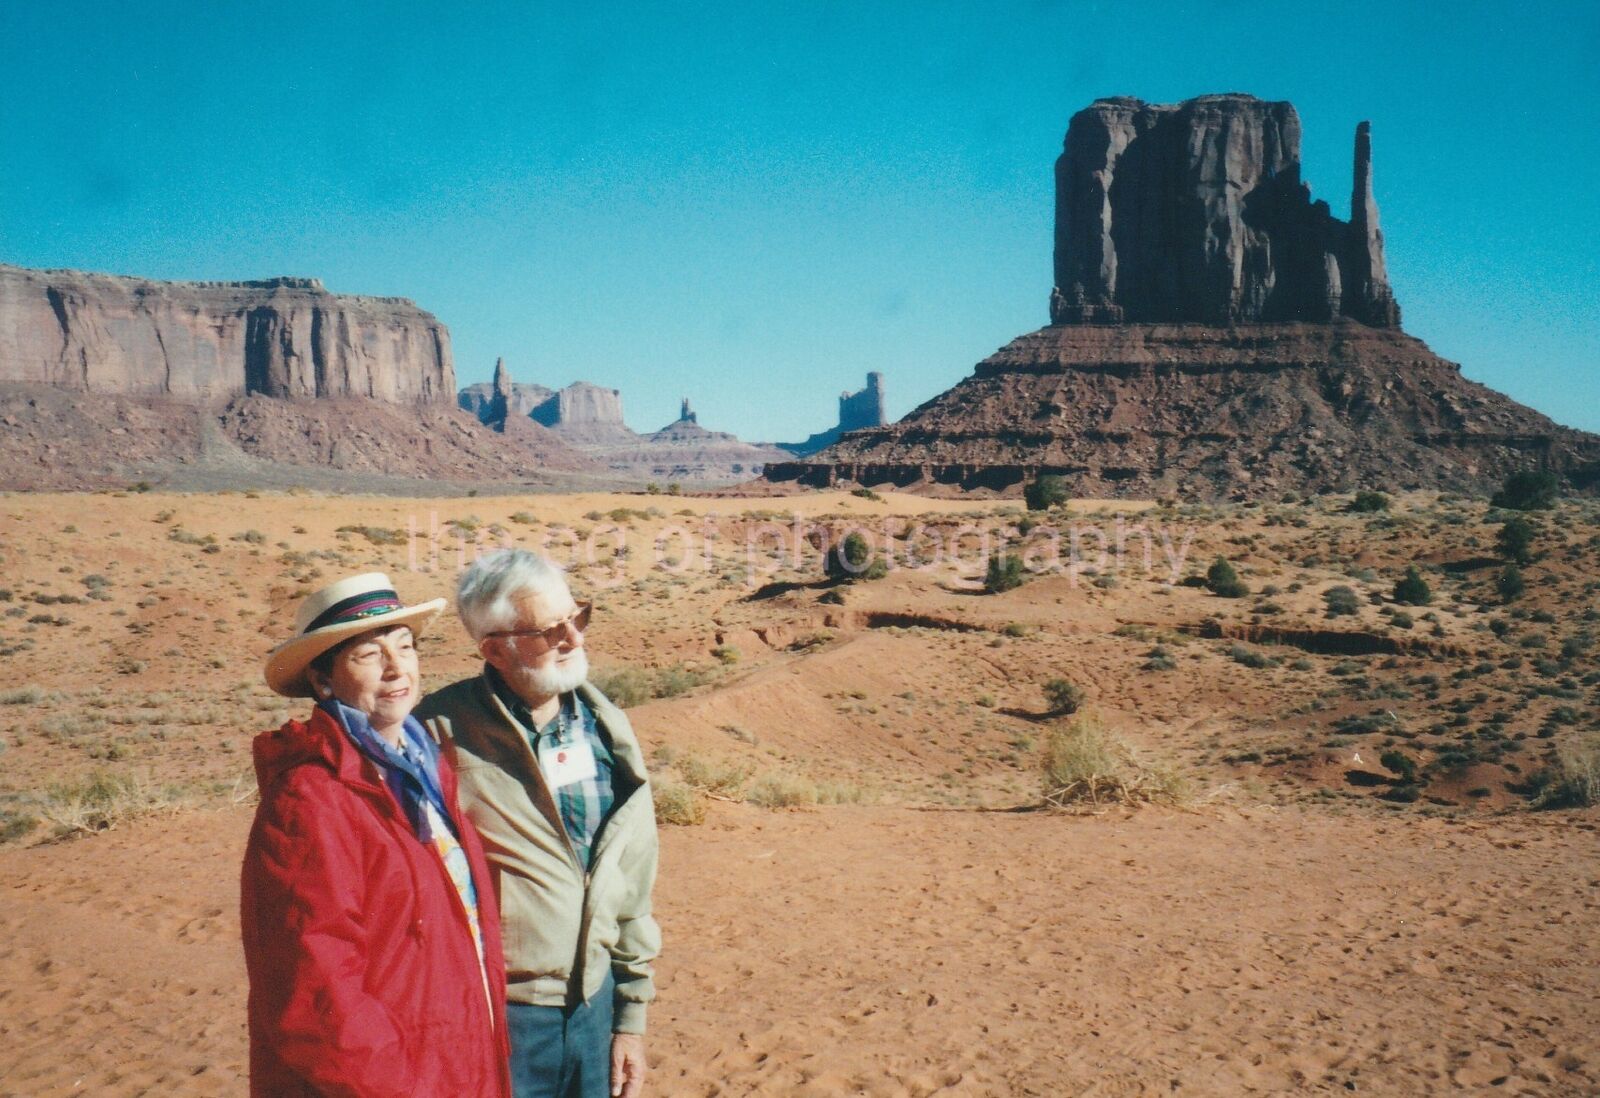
[(411, 776)]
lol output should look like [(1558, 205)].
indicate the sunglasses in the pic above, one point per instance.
[(551, 635)]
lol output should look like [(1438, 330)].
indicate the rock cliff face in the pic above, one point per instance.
[(1196, 212), (282, 337), (1216, 334)]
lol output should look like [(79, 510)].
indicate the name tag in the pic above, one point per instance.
[(566, 763)]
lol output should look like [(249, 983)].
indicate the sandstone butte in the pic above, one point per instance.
[(105, 378), (1215, 333)]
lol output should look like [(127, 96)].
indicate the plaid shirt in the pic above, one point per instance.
[(585, 805)]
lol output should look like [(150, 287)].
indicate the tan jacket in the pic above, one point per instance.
[(563, 930)]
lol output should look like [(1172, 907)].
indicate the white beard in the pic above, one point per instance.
[(547, 682)]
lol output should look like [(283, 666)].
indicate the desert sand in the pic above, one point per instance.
[(874, 903)]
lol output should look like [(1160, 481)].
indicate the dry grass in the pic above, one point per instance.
[(677, 803), (1084, 763), (105, 799), (1577, 774)]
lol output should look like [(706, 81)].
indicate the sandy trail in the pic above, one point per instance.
[(891, 951)]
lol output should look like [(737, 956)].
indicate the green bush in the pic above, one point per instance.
[(1510, 583), (1527, 490), (1063, 696), (1368, 502), (1224, 581), (1250, 657), (1004, 573), (852, 559), (1046, 492), (1412, 589), (1341, 601), (1514, 542), (1399, 764)]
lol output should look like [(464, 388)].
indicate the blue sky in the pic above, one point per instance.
[(755, 204)]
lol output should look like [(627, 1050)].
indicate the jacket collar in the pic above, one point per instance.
[(624, 746)]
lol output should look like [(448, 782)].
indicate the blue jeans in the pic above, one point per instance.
[(562, 1052)]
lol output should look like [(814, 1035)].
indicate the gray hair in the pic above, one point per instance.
[(489, 585)]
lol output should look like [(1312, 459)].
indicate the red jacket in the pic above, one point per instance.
[(364, 980)]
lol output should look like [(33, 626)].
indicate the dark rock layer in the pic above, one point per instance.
[(1194, 411)]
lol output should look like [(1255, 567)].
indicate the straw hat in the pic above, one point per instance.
[(336, 613)]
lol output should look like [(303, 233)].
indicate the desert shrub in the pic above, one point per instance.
[(1250, 657), (1575, 780), (781, 791), (184, 537), (1082, 762), (1412, 589), (1514, 542), (1003, 573), (1017, 629), (1527, 490), (1224, 581), (625, 686), (1341, 601), (524, 518), (726, 653), (381, 535), (14, 825), (866, 493), (852, 559), (1160, 660), (1509, 583), (1063, 696), (21, 695), (1367, 502), (723, 779), (677, 679), (1401, 620), (1046, 492), (1399, 764), (677, 804)]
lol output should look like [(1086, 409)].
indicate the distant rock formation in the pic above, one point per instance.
[(479, 398), (588, 418), (106, 380), (1215, 334), (857, 411), (280, 337), (581, 404), (1196, 212)]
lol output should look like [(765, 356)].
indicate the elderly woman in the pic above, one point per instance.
[(370, 927)]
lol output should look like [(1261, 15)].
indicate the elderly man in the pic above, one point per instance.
[(554, 780)]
